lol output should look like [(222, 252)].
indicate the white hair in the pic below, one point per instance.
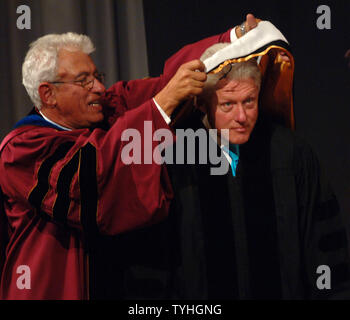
[(40, 63), (237, 71)]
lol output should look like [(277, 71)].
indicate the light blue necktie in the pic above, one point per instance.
[(233, 151)]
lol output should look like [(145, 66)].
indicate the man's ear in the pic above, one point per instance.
[(47, 94)]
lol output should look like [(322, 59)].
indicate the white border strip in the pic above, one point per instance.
[(260, 36)]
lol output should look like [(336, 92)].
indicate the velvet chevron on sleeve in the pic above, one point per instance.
[(63, 187)]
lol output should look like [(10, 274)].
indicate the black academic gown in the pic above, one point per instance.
[(263, 233), (259, 235)]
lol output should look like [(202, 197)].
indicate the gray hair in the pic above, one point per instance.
[(237, 71), (41, 61)]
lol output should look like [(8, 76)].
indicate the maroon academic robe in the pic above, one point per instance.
[(59, 187)]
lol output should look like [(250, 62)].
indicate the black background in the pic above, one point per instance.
[(322, 77)]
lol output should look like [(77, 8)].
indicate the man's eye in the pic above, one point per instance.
[(227, 106), (82, 81)]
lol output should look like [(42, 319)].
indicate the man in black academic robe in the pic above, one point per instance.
[(271, 231)]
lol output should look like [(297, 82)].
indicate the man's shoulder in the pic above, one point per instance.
[(289, 146), (281, 134), (34, 138), (33, 128), (33, 131)]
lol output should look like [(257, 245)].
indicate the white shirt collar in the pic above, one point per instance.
[(56, 124)]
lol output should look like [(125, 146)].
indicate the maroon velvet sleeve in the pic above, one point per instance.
[(127, 195), (125, 95), (191, 52)]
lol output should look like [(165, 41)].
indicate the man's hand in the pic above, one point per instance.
[(186, 83), (250, 23)]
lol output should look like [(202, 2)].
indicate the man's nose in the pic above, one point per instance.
[(98, 86), (239, 113)]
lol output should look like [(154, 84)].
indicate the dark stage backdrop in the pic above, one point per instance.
[(322, 77)]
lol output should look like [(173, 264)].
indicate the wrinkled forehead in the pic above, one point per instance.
[(74, 62), (236, 85)]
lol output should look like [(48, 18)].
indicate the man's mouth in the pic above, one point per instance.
[(241, 129), (95, 104)]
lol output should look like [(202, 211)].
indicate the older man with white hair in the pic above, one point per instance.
[(63, 179)]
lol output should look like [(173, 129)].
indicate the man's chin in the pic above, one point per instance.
[(241, 139), (98, 117), (96, 120)]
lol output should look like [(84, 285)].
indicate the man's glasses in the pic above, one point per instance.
[(86, 83)]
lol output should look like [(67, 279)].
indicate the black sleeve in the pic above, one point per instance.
[(322, 230)]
